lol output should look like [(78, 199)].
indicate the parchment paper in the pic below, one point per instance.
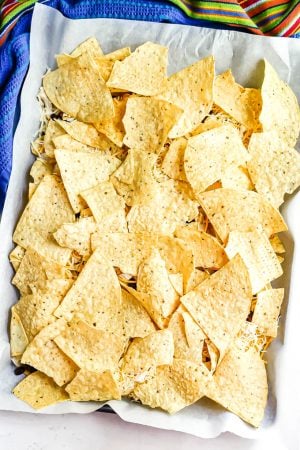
[(51, 33)]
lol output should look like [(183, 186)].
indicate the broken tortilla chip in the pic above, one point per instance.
[(18, 337), (267, 310), (173, 163), (93, 386)]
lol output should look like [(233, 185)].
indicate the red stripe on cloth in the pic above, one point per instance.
[(295, 13)]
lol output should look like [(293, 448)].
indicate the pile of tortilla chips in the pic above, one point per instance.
[(146, 251)]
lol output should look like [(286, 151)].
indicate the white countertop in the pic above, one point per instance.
[(100, 431)]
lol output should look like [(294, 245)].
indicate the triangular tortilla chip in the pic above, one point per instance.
[(143, 72), (232, 210), (43, 354), (147, 122), (267, 310), (39, 391), (221, 303), (191, 89), (16, 256), (237, 178), (258, 255), (77, 236), (47, 210), (210, 154), (173, 387), (18, 337), (93, 386), (173, 163), (243, 104), (114, 128), (91, 46), (66, 142), (196, 278), (280, 108), (53, 130), (136, 322), (83, 170), (274, 167)]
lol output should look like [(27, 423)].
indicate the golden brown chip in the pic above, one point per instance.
[(176, 280), (274, 167), (173, 163), (258, 255), (222, 303), (191, 89), (173, 387), (210, 154), (207, 251), (18, 337), (77, 236), (147, 122), (89, 348), (83, 170), (277, 245), (143, 72), (79, 91), (114, 128), (196, 278), (280, 109), (47, 210), (39, 391), (232, 210), (43, 354), (267, 310), (93, 386), (243, 104)]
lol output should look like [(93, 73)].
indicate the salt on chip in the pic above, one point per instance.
[(274, 166), (231, 210), (93, 386), (82, 170), (95, 294), (240, 384), (47, 210), (173, 163), (258, 255), (280, 109), (107, 206), (237, 178), (18, 337), (114, 129), (153, 280), (147, 122), (39, 391), (266, 311), (173, 387), (16, 256), (90, 348), (221, 303), (210, 154), (144, 355), (143, 72), (243, 104), (207, 251), (76, 236), (53, 130), (191, 89), (43, 354), (79, 91)]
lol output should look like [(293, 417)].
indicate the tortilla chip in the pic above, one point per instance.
[(43, 354), (125, 250), (77, 89), (83, 170), (240, 384), (173, 387), (136, 320), (207, 251), (91, 46), (53, 130), (144, 355), (47, 210), (36, 270), (16, 256), (243, 104), (173, 163), (93, 386), (274, 167), (143, 72), (114, 128), (221, 303), (39, 391), (106, 63), (89, 348), (237, 178), (191, 89), (77, 236), (277, 245), (147, 122), (66, 142), (153, 280), (176, 279), (107, 206), (280, 109), (96, 293), (39, 169), (258, 255), (231, 210), (196, 278), (18, 337), (209, 124), (267, 310), (210, 154)]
